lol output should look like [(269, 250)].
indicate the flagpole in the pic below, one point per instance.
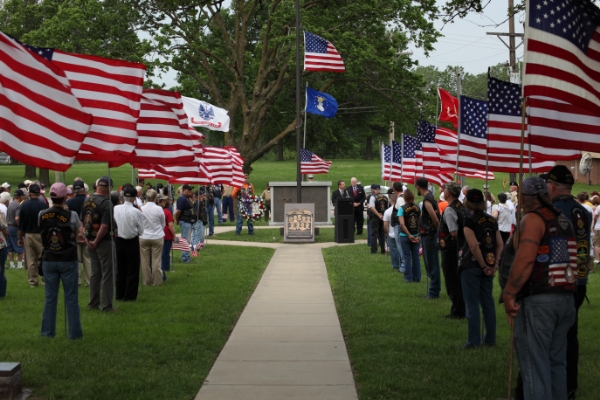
[(530, 162), (112, 243), (401, 158), (305, 104), (298, 108), (392, 133), (487, 145), (459, 94), (520, 198)]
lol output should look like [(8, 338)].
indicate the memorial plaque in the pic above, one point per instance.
[(299, 223)]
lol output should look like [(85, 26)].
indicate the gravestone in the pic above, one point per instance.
[(299, 226), (11, 381)]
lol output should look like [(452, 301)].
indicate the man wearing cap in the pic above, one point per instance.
[(428, 225), (451, 239), (560, 183), (152, 241), (98, 229), (60, 229), (131, 225), (242, 193), (538, 296), (376, 220), (357, 193), (76, 204), (12, 219), (28, 235), (186, 217)]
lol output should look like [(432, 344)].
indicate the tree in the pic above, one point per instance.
[(243, 58)]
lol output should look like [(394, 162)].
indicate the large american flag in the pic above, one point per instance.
[(238, 163), (391, 162), (431, 157), (111, 91), (219, 163), (562, 52), (504, 133), (312, 164), (41, 122), (473, 136), (320, 55), (409, 158)]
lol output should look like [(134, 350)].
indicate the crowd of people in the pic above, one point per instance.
[(468, 235)]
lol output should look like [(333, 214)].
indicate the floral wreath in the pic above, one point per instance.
[(250, 212)]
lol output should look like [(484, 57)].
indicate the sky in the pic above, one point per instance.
[(464, 42)]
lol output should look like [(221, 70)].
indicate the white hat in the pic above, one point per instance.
[(6, 185), (27, 182), (4, 197)]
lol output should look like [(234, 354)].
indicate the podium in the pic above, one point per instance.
[(344, 220)]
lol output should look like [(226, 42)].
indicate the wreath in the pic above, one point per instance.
[(252, 207)]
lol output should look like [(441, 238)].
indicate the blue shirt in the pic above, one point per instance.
[(400, 230)]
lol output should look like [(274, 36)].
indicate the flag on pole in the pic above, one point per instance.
[(41, 122), (321, 55), (312, 164), (391, 162), (110, 90), (238, 164), (181, 244), (320, 103), (409, 158), (447, 140), (430, 155), (562, 54), (449, 107), (473, 133), (219, 163), (203, 114)]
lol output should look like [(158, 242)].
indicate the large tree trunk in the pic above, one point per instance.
[(30, 172), (45, 176), (369, 148), (280, 150)]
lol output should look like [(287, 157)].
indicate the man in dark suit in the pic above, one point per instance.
[(340, 192), (357, 192)]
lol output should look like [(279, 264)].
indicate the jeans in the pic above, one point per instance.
[(240, 224), (219, 212), (573, 343), (186, 233), (3, 255), (477, 290), (198, 230), (54, 273), (432, 264), (210, 210), (412, 264), (541, 328), (166, 257), (394, 253), (227, 205), (399, 247)]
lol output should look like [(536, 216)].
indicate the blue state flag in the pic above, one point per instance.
[(320, 103)]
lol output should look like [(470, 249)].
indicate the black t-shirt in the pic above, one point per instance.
[(28, 216), (76, 203)]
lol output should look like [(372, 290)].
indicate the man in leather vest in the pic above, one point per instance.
[(428, 225), (60, 230), (451, 239), (538, 297)]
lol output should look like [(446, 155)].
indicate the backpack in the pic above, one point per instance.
[(381, 203)]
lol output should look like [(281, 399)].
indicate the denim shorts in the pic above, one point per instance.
[(11, 241)]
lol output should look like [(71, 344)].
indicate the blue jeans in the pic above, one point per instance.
[(541, 328), (210, 210), (54, 273), (412, 264), (431, 258), (3, 255), (186, 233), (394, 253), (399, 247), (198, 234), (219, 212), (477, 290), (166, 257), (227, 203), (240, 223)]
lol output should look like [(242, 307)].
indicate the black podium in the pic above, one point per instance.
[(344, 220)]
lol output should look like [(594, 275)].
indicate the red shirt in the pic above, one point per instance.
[(168, 218)]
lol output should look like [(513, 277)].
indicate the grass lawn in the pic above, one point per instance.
[(161, 346), (402, 347), (271, 236)]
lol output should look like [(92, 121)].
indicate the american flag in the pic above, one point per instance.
[(41, 122), (431, 157), (238, 163), (562, 52), (111, 91), (409, 158), (445, 140), (312, 164), (504, 134), (219, 163), (473, 134), (563, 254), (320, 55), (391, 163), (181, 244)]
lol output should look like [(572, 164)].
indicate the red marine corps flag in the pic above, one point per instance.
[(449, 111)]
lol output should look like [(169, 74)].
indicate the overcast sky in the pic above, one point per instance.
[(464, 43)]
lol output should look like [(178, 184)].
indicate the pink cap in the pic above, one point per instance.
[(58, 190)]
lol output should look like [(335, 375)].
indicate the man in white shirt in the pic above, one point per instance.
[(5, 198), (151, 241), (131, 225), (391, 235), (138, 201)]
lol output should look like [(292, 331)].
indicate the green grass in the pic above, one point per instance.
[(402, 347), (271, 236), (161, 346)]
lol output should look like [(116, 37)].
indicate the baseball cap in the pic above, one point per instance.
[(69, 189), (104, 181), (453, 188), (513, 183), (34, 188), (129, 191), (6, 185), (19, 192), (475, 196), (4, 197), (534, 186), (162, 197), (559, 174), (311, 176), (375, 186), (78, 185), (58, 190), (27, 182), (187, 187)]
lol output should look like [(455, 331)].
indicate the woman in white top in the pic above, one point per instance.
[(490, 201), (504, 214)]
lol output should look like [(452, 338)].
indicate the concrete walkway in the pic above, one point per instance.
[(288, 342)]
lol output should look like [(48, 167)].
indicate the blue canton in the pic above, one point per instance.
[(473, 117), (315, 44), (504, 97), (559, 250), (426, 132)]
